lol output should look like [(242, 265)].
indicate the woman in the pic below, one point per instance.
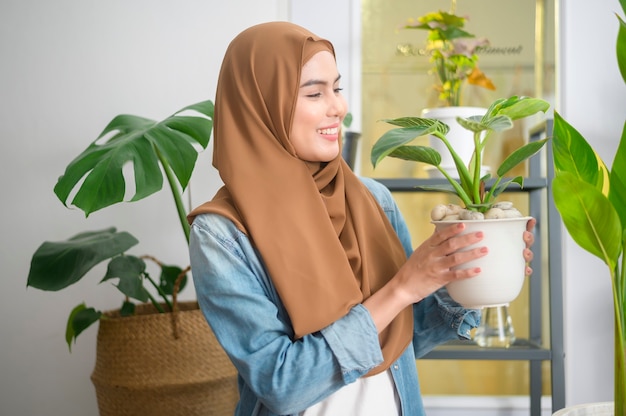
[(304, 271)]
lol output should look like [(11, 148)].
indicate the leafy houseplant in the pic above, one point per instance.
[(592, 202), (489, 288), (470, 187), (453, 53), (170, 146)]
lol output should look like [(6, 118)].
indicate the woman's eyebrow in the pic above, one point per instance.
[(318, 82)]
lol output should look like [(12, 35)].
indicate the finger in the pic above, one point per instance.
[(443, 234), (529, 271), (531, 224), (460, 242), (528, 255), (458, 258), (529, 238)]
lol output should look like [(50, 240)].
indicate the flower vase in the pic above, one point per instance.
[(496, 328), (462, 140)]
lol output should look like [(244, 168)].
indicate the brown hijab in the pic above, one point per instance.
[(325, 241)]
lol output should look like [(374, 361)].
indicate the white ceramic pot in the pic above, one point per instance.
[(590, 409), (502, 269), (462, 140)]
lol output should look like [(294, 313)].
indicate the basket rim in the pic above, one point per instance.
[(148, 309)]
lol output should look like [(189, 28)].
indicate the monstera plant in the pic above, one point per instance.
[(96, 180)]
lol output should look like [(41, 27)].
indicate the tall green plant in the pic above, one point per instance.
[(95, 179), (592, 202)]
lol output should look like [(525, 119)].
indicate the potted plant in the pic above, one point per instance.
[(137, 344), (592, 202), (453, 54), (479, 206)]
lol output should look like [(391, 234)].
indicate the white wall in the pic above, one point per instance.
[(593, 99), (69, 66)]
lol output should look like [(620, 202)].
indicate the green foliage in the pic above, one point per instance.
[(499, 117), (80, 319), (143, 143), (96, 180), (592, 203), (593, 212), (56, 265)]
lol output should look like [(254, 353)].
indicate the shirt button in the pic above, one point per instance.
[(396, 367)]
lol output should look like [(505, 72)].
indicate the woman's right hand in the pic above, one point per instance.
[(433, 264), (429, 268)]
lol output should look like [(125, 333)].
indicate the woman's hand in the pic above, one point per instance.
[(529, 239), (427, 269), (434, 263)]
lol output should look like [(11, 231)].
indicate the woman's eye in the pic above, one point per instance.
[(315, 95), (338, 90)]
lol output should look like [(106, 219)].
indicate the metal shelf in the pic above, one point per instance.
[(522, 349), (414, 184)]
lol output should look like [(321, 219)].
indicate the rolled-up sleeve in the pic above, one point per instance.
[(247, 317)]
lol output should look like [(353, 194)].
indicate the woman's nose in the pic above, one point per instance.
[(338, 106)]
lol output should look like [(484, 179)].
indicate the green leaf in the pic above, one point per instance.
[(521, 107), (80, 319), (499, 123), (520, 155), (446, 188), (617, 188), (168, 277), (56, 265), (129, 270), (502, 186), (428, 125), (589, 217), (138, 141), (621, 47), (127, 309), (417, 154), (472, 124), (573, 154), (347, 120), (395, 138)]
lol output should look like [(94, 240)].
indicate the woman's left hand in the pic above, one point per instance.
[(529, 239)]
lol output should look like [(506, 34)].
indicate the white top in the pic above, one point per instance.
[(368, 396)]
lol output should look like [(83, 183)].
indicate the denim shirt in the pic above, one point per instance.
[(280, 376)]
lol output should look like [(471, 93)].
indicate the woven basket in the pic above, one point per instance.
[(142, 368)]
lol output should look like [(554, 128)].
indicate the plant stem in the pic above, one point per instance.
[(620, 362), (464, 176), (176, 193), (163, 295), (620, 338), (477, 164), (156, 304), (459, 190)]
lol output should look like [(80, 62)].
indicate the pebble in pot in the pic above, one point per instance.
[(453, 212)]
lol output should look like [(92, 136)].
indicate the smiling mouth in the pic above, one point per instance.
[(329, 132)]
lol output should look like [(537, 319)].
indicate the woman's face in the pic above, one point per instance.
[(320, 109)]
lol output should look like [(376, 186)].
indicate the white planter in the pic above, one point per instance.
[(590, 409), (462, 140), (502, 269)]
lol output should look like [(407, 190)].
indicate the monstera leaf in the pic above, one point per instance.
[(59, 264), (142, 143)]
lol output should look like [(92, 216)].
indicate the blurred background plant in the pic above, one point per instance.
[(452, 51)]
